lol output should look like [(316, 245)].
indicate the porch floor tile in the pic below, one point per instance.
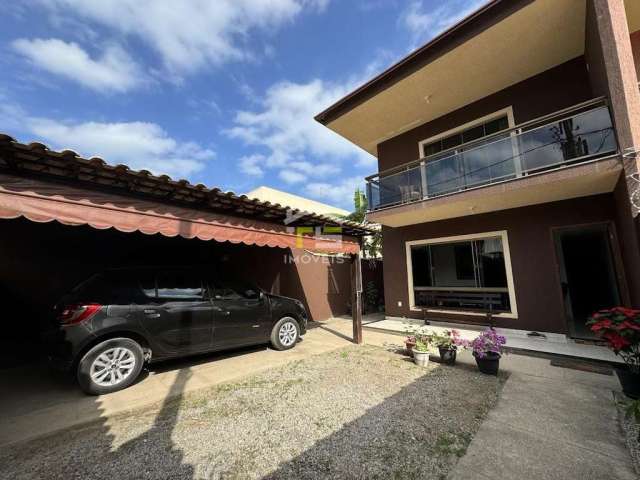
[(554, 343)]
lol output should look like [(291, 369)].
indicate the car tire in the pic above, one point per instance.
[(110, 366), (285, 333)]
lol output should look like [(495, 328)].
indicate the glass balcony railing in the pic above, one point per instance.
[(565, 138)]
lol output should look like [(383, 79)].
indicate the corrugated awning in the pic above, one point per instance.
[(42, 201), (45, 185)]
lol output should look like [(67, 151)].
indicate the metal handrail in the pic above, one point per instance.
[(415, 182), (497, 136)]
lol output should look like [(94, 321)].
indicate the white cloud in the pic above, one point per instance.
[(190, 34), (252, 165), (291, 176), (114, 70), (284, 125), (425, 24), (340, 192), (140, 145), (315, 170)]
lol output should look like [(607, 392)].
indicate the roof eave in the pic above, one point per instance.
[(493, 11)]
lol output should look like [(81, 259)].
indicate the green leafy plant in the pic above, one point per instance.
[(373, 244), (423, 342), (449, 339), (371, 297), (633, 410)]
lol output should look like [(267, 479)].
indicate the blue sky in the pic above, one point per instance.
[(219, 92)]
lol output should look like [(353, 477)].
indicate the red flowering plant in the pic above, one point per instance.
[(620, 328)]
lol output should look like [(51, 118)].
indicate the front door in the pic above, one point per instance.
[(587, 274)]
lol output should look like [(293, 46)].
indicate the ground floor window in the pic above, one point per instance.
[(468, 273)]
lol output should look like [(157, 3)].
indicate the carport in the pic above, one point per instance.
[(64, 218)]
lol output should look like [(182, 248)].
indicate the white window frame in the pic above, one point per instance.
[(502, 234), (508, 111)]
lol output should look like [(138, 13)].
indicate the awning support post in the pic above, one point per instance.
[(356, 295)]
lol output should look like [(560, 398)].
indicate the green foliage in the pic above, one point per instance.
[(423, 341), (373, 243), (371, 297), (360, 207), (633, 410)]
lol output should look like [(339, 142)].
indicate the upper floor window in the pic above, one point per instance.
[(464, 135)]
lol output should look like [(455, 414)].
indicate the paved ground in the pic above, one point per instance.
[(35, 402), (552, 343), (550, 428), (551, 422), (358, 412)]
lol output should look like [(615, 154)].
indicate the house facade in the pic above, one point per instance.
[(507, 148)]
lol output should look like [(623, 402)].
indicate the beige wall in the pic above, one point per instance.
[(267, 194)]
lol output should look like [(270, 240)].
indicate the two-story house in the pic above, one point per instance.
[(508, 166)]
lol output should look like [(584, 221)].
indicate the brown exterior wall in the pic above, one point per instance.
[(533, 257), (555, 89), (593, 54), (628, 233), (635, 47), (614, 54)]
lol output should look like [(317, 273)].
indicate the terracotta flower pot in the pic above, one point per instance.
[(409, 346)]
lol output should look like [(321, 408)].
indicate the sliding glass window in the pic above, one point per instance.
[(468, 275)]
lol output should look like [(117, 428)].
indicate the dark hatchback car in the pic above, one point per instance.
[(111, 324)]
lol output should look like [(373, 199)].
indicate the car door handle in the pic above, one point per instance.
[(220, 311), (151, 313)]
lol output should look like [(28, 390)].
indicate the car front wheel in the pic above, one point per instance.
[(110, 366), (285, 333)]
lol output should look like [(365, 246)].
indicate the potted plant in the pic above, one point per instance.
[(620, 328), (409, 343), (447, 344), (487, 350), (421, 350)]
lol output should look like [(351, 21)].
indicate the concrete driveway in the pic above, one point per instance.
[(35, 401)]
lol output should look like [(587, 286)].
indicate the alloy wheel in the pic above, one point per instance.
[(112, 367), (287, 334)]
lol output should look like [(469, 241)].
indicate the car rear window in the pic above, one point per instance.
[(104, 289)]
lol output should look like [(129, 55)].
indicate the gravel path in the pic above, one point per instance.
[(359, 412), (630, 429)]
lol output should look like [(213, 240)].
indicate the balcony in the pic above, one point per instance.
[(574, 136)]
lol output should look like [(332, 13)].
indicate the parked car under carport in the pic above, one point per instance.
[(65, 218)]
